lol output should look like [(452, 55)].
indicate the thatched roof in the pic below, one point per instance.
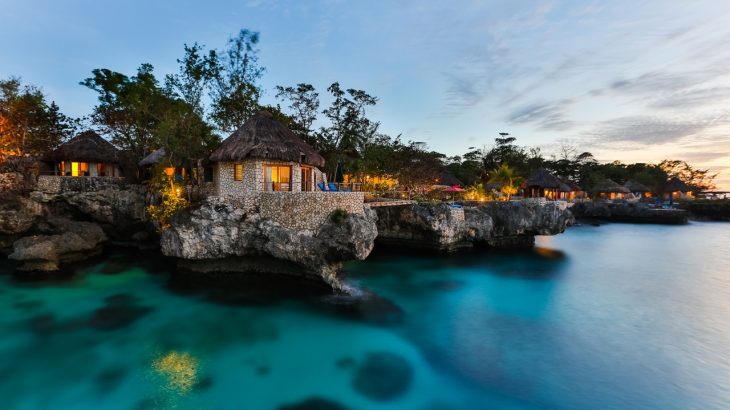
[(447, 178), (85, 147), (263, 136), (636, 186), (675, 185), (153, 158), (608, 185), (574, 187), (544, 179)]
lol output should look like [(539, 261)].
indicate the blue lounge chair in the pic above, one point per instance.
[(332, 187), (321, 187)]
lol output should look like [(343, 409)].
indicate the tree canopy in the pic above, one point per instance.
[(29, 123)]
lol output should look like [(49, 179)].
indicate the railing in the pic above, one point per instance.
[(350, 186), (277, 186)]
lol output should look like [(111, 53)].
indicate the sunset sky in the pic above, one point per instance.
[(628, 80)]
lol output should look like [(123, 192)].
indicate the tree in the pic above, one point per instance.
[(505, 151), (141, 116), (304, 105), (505, 176), (696, 179), (197, 70), (29, 124), (350, 129), (236, 92)]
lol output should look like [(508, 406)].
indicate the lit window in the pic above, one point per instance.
[(238, 172)]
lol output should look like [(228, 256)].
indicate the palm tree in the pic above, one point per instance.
[(505, 176)]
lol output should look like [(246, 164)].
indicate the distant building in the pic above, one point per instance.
[(610, 190), (638, 189), (543, 184), (677, 189)]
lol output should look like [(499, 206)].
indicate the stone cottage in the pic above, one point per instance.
[(264, 155), (264, 167)]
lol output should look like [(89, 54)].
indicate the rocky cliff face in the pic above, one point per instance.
[(218, 236), (119, 209), (439, 226), (51, 227), (628, 212), (68, 241)]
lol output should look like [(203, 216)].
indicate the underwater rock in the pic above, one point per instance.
[(383, 376), (314, 403), (119, 312)]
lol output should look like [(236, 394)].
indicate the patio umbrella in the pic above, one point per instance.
[(339, 177)]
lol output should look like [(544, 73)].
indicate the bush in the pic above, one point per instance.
[(338, 216)]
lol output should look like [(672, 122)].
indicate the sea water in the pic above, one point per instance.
[(609, 317)]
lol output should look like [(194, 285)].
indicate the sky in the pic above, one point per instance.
[(636, 81)]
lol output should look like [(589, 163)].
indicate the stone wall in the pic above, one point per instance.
[(253, 177), (52, 184), (11, 181), (307, 210)]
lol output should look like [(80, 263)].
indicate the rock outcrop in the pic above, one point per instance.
[(18, 214), (628, 212), (118, 208), (220, 236), (73, 241), (499, 224)]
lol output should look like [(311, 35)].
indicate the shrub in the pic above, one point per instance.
[(338, 216)]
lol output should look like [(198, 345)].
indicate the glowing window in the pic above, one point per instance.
[(238, 172)]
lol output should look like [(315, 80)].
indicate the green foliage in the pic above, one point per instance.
[(505, 176), (141, 116), (170, 195), (235, 88), (29, 124), (338, 216), (303, 103)]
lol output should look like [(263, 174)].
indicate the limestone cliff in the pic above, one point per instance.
[(219, 236), (628, 212), (440, 226)]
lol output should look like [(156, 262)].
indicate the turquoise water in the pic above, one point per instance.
[(609, 317)]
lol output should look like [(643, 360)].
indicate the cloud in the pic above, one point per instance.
[(693, 98), (649, 130), (551, 116)]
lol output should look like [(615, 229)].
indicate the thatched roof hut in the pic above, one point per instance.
[(153, 158), (564, 187), (542, 178), (264, 137), (88, 146), (574, 187), (610, 186), (448, 178), (675, 185), (636, 186)]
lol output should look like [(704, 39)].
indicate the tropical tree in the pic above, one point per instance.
[(141, 116), (350, 128), (29, 124), (505, 176), (235, 90), (197, 69), (304, 105)]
